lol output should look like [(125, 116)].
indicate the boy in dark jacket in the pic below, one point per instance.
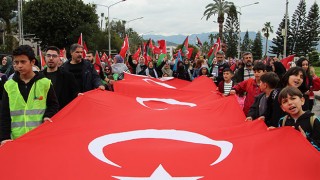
[(291, 100), (263, 103)]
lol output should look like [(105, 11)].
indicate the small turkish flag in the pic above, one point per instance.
[(124, 47)]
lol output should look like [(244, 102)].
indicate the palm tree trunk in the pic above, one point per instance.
[(220, 32), (265, 53)]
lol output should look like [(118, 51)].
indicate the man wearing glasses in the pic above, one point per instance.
[(64, 83)]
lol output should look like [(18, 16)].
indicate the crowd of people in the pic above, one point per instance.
[(271, 93)]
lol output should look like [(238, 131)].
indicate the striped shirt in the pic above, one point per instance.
[(248, 73), (227, 88)]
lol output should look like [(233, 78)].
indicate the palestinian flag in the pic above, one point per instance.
[(185, 46)]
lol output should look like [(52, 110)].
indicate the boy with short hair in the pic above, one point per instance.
[(250, 86), (225, 86), (291, 100), (28, 98), (263, 103)]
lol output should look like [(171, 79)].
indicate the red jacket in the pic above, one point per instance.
[(251, 89)]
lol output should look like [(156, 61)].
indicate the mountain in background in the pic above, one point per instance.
[(175, 40)]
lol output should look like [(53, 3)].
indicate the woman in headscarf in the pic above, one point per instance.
[(150, 71), (6, 66)]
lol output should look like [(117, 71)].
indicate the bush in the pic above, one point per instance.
[(314, 58)]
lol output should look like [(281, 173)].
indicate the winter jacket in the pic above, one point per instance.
[(311, 128), (251, 89), (90, 77), (24, 88), (66, 88)]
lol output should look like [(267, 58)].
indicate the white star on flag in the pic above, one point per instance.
[(159, 174)]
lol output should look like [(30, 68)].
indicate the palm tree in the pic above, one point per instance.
[(212, 37), (219, 7), (267, 30)]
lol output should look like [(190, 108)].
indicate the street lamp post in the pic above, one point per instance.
[(125, 21), (20, 22), (285, 32), (102, 15), (239, 24), (109, 38)]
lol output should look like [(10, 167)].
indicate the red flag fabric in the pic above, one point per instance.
[(97, 59), (80, 40), (42, 60), (124, 47), (85, 50), (97, 64), (199, 43), (215, 48), (104, 57), (172, 131), (148, 48), (233, 67), (63, 53), (136, 55), (162, 49), (213, 51), (198, 54), (286, 61), (185, 46), (190, 51)]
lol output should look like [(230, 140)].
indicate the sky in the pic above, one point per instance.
[(173, 17)]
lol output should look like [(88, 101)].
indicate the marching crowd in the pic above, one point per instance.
[(271, 93)]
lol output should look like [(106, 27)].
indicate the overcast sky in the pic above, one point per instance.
[(172, 17)]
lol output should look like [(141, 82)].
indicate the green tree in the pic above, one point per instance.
[(312, 28), (6, 14), (257, 47), (246, 43), (134, 41), (60, 22), (231, 31), (205, 47), (267, 29), (278, 41), (314, 58), (195, 49), (298, 38), (219, 7), (212, 37)]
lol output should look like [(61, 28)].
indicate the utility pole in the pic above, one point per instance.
[(285, 32)]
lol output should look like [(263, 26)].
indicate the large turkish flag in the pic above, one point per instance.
[(159, 130)]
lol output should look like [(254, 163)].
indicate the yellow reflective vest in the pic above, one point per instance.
[(26, 116)]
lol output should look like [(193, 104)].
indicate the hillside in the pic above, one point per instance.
[(178, 39)]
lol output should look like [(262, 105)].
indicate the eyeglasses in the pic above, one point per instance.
[(107, 69), (51, 55)]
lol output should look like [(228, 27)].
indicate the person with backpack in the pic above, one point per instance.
[(291, 100)]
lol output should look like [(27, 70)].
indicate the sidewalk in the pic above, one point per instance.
[(316, 107)]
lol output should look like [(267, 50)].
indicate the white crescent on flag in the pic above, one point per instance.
[(168, 101), (159, 83), (96, 146)]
